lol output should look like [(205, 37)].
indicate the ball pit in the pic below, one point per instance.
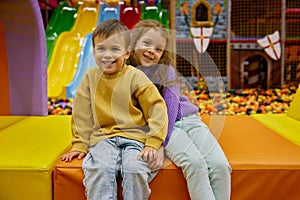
[(60, 106), (234, 102)]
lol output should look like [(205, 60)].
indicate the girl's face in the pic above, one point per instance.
[(110, 53), (150, 47)]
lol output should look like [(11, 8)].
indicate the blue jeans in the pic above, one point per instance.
[(204, 164), (102, 165)]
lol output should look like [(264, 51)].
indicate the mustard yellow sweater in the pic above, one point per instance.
[(125, 104)]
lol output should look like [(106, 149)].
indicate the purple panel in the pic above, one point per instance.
[(26, 50)]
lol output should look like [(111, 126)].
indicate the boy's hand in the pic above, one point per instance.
[(68, 157)]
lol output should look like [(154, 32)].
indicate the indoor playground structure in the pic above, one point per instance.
[(238, 26), (69, 56), (254, 44)]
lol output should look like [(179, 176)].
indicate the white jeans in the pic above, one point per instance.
[(204, 164), (102, 165)]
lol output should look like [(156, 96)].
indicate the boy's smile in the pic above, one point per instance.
[(107, 63)]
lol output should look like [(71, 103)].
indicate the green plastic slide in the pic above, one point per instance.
[(62, 19)]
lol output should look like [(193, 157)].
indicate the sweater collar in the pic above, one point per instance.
[(112, 76)]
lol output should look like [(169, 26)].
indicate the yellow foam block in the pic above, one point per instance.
[(282, 124), (294, 110), (6, 121), (29, 149)]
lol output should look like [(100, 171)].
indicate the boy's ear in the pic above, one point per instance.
[(130, 48), (128, 52)]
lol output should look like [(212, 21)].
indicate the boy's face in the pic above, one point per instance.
[(110, 53), (150, 47)]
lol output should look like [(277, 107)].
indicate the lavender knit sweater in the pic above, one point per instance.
[(178, 105)]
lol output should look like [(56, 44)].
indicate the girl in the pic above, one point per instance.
[(189, 143)]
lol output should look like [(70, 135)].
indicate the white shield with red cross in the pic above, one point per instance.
[(271, 45), (201, 37)]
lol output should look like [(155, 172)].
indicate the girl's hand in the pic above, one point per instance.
[(157, 164), (154, 157), (148, 154), (68, 157)]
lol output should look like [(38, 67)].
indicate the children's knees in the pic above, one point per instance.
[(222, 168), (193, 163), (138, 166)]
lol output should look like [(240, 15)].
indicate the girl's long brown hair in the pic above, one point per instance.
[(137, 32)]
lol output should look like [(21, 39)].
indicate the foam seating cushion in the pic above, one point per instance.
[(29, 149), (169, 184), (6, 121), (265, 165)]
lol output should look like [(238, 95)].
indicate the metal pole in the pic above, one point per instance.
[(228, 46), (283, 37)]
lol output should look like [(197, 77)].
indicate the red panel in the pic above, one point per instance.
[(4, 83), (130, 15)]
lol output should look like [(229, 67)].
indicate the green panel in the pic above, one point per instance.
[(62, 19), (150, 12), (157, 13)]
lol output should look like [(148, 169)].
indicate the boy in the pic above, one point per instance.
[(119, 120)]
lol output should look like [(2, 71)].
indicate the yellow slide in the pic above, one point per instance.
[(66, 52)]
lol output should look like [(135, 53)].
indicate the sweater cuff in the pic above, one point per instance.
[(79, 147), (153, 142)]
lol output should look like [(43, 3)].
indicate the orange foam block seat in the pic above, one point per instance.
[(169, 184), (30, 145), (265, 165)]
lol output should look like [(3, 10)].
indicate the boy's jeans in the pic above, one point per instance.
[(103, 163)]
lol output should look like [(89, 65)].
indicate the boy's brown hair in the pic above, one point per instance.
[(110, 27)]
